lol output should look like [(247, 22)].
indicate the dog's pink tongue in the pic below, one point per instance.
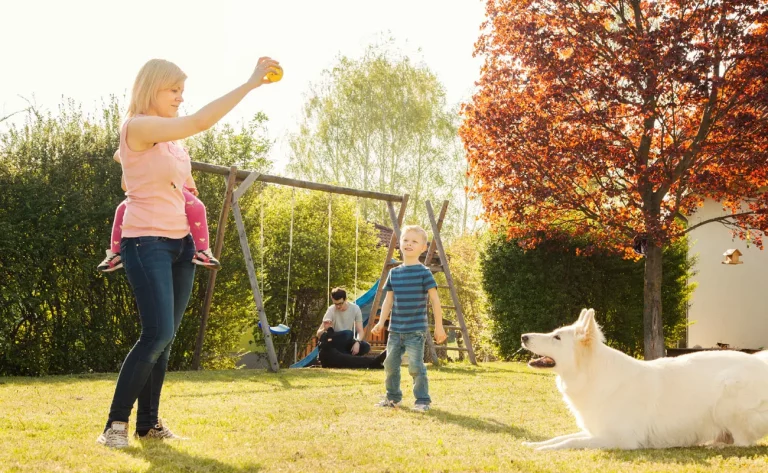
[(543, 362)]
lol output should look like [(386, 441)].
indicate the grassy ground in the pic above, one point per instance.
[(317, 420)]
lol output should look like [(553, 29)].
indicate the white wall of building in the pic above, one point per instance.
[(730, 304)]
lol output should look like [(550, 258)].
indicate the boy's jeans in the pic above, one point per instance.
[(161, 272), (413, 344)]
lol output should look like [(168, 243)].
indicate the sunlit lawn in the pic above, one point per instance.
[(318, 420)]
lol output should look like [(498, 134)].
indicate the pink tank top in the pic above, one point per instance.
[(154, 179)]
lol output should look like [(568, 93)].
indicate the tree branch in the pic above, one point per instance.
[(718, 219)]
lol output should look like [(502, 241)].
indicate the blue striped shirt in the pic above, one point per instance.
[(409, 286)]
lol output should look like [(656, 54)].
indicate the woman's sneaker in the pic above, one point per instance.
[(110, 263), (387, 403), (116, 436), (205, 258), (160, 432)]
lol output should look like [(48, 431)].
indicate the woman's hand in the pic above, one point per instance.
[(264, 65)]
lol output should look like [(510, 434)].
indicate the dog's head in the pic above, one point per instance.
[(566, 347), (325, 337)]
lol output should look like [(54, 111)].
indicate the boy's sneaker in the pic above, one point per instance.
[(116, 436), (205, 258), (387, 403), (160, 432), (110, 263), (420, 407)]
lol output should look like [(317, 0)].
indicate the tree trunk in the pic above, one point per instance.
[(653, 329)]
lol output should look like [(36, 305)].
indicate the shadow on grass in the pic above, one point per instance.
[(473, 423), (258, 375), (163, 457), (688, 455), (467, 369), (285, 386), (513, 368)]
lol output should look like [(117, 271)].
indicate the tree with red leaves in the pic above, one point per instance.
[(617, 118)]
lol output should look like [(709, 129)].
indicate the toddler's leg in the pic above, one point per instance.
[(198, 226), (117, 228), (198, 221), (113, 261)]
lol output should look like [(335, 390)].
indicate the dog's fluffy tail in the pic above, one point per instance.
[(763, 355)]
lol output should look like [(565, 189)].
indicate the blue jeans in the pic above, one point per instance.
[(413, 344), (161, 272)]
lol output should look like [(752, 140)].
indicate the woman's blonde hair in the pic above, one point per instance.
[(154, 76)]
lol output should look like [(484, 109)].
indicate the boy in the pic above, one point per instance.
[(407, 288)]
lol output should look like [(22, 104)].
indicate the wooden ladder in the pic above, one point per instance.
[(437, 245)]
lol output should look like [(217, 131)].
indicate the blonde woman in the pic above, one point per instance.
[(156, 246)]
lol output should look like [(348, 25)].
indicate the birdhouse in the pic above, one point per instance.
[(732, 257)]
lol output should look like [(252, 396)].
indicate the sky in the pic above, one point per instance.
[(88, 50)]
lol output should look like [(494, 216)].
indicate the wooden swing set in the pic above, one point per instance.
[(239, 181)]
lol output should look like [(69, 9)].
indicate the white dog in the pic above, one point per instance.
[(710, 397)]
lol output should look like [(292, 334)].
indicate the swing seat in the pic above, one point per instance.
[(281, 329)]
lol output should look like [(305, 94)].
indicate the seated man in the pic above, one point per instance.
[(344, 317)]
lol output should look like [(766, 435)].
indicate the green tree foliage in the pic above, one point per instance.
[(541, 289), (309, 277), (381, 123)]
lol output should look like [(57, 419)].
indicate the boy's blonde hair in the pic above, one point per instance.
[(415, 229), (154, 76)]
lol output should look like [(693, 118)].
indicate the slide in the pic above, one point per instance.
[(365, 301)]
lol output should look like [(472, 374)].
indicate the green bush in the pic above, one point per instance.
[(545, 288), (60, 188)]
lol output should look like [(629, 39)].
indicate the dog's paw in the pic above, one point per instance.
[(532, 444), (547, 448), (717, 446)]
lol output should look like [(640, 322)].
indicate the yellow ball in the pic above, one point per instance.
[(275, 74)]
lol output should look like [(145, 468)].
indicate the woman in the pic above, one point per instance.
[(156, 247)]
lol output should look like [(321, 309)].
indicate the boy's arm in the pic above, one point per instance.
[(437, 310), (386, 309)]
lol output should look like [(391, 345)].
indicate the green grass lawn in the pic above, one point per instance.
[(316, 420)]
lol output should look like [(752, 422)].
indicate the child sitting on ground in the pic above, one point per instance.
[(198, 224)]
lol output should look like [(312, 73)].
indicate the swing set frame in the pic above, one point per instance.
[(231, 197)]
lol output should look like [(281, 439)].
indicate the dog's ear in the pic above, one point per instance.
[(581, 316), (587, 330)]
